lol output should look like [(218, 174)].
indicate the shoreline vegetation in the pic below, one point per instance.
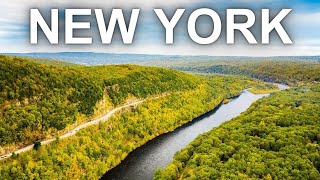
[(266, 89), (262, 91), (277, 137), (96, 149)]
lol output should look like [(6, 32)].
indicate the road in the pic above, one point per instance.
[(93, 122), (74, 131)]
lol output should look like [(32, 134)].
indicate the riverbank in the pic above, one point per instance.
[(102, 119), (275, 139), (94, 150), (142, 162)]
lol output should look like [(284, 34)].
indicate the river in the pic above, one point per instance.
[(159, 152)]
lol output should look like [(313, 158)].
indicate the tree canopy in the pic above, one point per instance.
[(276, 138), (38, 100)]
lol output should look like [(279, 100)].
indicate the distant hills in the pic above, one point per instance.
[(90, 58)]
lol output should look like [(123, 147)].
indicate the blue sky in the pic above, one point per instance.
[(303, 26)]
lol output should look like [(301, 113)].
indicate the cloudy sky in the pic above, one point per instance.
[(303, 26)]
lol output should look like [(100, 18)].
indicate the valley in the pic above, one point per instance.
[(96, 120)]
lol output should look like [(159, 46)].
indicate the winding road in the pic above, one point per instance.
[(93, 122), (74, 131)]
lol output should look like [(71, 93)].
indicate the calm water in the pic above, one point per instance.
[(159, 152)]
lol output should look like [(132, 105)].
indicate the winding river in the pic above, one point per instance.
[(159, 152)]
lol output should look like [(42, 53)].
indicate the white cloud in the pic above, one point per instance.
[(305, 18), (11, 30)]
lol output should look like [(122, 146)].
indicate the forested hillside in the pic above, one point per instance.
[(276, 138), (289, 72), (39, 100), (96, 149)]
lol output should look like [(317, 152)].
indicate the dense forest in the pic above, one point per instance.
[(38, 100), (96, 149), (276, 138), (280, 71)]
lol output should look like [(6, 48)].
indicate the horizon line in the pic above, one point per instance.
[(57, 52)]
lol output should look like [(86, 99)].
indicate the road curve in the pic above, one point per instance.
[(74, 131), (96, 121)]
